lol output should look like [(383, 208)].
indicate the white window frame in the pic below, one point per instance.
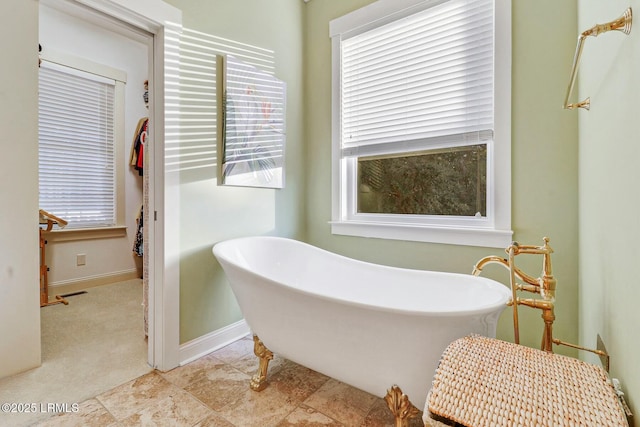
[(494, 230), (120, 78)]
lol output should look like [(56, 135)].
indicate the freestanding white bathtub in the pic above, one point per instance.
[(367, 325)]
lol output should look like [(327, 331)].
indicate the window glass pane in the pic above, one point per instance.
[(450, 181)]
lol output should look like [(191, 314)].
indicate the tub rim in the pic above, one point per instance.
[(494, 285)]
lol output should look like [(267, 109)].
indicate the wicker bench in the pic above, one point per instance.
[(485, 382)]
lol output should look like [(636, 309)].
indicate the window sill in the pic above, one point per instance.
[(68, 235), (464, 236)]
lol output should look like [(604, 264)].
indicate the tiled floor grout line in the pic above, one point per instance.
[(104, 407), (204, 417), (198, 400)]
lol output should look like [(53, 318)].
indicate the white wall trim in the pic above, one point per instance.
[(63, 287), (83, 64), (95, 280), (464, 236), (212, 341), (147, 15), (375, 14)]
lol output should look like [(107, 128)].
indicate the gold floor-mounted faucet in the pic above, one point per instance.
[(544, 285)]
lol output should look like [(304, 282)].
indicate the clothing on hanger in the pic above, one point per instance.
[(136, 158)]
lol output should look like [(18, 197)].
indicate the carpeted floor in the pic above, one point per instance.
[(89, 346)]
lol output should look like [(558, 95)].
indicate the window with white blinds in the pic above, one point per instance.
[(421, 121), (77, 146)]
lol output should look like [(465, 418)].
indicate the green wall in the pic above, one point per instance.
[(544, 159), (609, 197), (210, 213)]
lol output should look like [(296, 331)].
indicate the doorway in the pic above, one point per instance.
[(159, 23), (92, 101)]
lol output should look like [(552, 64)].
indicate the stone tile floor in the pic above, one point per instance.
[(214, 391)]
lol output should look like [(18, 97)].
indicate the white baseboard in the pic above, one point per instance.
[(74, 285), (212, 341)]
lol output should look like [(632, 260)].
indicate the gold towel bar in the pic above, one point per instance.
[(623, 24)]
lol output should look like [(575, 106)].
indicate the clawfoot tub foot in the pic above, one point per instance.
[(259, 380), (400, 406)]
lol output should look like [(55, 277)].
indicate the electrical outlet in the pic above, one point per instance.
[(81, 259)]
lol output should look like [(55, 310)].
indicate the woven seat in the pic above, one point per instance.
[(485, 382)]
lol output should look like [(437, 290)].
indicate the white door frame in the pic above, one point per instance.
[(164, 22)]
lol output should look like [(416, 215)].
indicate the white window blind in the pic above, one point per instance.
[(77, 146), (424, 78)]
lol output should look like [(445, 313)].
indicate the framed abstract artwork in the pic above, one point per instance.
[(254, 126)]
